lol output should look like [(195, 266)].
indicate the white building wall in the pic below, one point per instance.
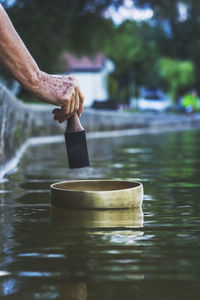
[(94, 84), (91, 85)]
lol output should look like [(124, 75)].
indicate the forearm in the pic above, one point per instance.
[(63, 91), (14, 54)]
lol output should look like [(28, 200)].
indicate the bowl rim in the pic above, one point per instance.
[(53, 185)]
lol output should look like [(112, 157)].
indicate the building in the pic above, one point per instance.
[(92, 73)]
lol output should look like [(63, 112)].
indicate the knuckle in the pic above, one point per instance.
[(73, 78), (75, 81)]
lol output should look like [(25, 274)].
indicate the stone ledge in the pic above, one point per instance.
[(19, 121)]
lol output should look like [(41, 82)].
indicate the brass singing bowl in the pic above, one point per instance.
[(97, 194)]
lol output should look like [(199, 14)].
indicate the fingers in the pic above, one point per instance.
[(64, 118), (81, 98), (65, 107), (76, 101), (81, 95), (60, 116), (62, 91), (68, 98), (72, 103), (56, 111)]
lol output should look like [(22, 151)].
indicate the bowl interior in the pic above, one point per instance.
[(95, 185)]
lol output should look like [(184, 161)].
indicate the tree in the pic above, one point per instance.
[(181, 40), (49, 27), (133, 49), (178, 75)]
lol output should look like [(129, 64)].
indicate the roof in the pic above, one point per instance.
[(84, 63)]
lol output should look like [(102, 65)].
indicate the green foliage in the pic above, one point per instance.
[(113, 87), (180, 40), (50, 27), (134, 51), (190, 100), (177, 74)]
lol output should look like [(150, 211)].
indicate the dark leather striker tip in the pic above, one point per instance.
[(77, 151)]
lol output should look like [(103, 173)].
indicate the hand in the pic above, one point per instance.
[(63, 91), (60, 116)]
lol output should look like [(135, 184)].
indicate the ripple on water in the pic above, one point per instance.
[(135, 150)]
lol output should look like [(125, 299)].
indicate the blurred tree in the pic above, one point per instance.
[(178, 75), (180, 20), (133, 49), (49, 27)]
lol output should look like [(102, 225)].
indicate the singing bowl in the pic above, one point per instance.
[(97, 194)]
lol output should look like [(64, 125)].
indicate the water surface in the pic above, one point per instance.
[(50, 253)]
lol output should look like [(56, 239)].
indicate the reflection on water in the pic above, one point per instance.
[(119, 218), (52, 253)]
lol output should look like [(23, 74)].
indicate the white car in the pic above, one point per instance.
[(153, 102)]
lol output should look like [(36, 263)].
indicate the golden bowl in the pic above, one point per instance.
[(97, 194)]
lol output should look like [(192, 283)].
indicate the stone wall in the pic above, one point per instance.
[(19, 121)]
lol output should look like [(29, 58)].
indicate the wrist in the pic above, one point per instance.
[(42, 86), (32, 81)]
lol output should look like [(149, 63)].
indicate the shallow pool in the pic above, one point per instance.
[(50, 253)]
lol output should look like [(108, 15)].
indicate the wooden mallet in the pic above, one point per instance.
[(76, 143)]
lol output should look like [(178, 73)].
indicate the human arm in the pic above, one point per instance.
[(63, 91)]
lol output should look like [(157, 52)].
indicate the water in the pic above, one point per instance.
[(54, 254)]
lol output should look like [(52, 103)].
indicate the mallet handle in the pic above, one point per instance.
[(74, 124)]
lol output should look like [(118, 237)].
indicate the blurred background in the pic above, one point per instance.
[(128, 54)]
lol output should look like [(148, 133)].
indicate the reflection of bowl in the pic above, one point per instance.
[(79, 218), (97, 194)]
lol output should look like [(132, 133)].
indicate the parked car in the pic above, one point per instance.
[(153, 101)]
